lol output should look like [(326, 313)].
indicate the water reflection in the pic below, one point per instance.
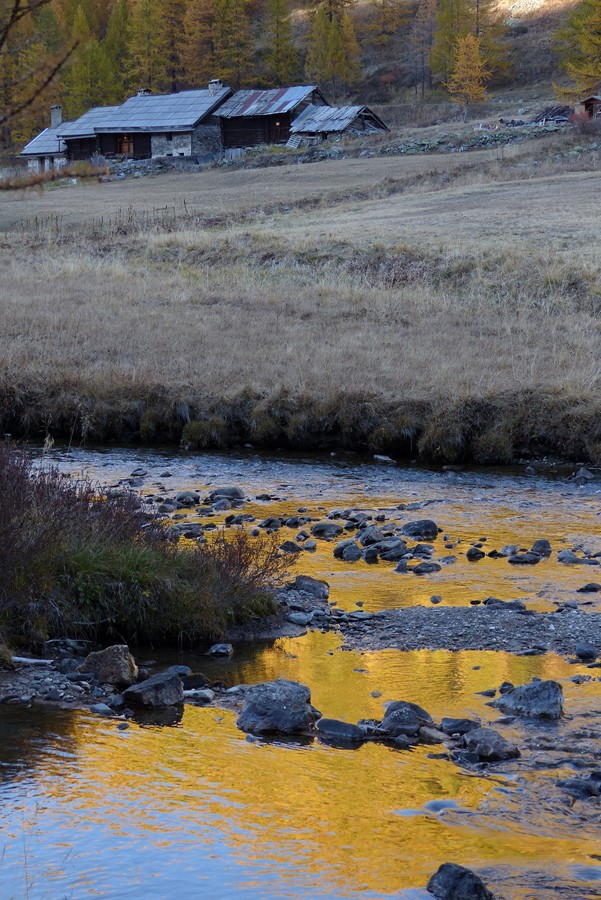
[(199, 808), (195, 809)]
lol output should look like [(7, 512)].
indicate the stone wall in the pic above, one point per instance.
[(179, 145), (206, 140)]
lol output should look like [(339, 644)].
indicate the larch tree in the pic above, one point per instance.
[(454, 20), (147, 47), (173, 14), (581, 40), (281, 58), (386, 17), (467, 83), (421, 41), (115, 48), (333, 57), (28, 68), (233, 43), (198, 49)]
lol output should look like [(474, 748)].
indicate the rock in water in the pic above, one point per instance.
[(538, 700), (164, 689), (335, 731), (489, 745), (453, 882), (114, 665), (423, 530), (314, 586), (404, 718), (229, 492), (277, 707)]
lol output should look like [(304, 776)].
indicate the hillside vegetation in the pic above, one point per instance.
[(384, 52), (445, 307)]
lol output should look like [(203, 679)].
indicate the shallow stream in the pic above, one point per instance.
[(196, 809)]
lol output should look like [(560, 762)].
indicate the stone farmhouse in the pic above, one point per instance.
[(200, 125)]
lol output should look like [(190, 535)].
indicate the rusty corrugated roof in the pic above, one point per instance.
[(265, 103), (315, 119)]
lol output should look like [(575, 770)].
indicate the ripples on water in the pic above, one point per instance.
[(198, 810)]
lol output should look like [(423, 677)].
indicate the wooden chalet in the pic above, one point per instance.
[(324, 122), (250, 118), (591, 106)]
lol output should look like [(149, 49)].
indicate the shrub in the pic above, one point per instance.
[(77, 560)]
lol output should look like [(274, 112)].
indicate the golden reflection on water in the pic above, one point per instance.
[(380, 587), (326, 819)]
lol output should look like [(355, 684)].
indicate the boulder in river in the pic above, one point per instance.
[(537, 700), (542, 547), (426, 568), (326, 530), (405, 718), (489, 745), (277, 707), (453, 882), (114, 665), (422, 530), (229, 492), (337, 732), (528, 558), (308, 585), (164, 689)]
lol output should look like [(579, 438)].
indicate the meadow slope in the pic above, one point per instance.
[(446, 307)]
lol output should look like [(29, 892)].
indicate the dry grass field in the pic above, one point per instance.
[(442, 306)]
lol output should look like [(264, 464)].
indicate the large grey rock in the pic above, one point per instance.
[(164, 689), (277, 707), (540, 699), (229, 492), (453, 882), (327, 530), (489, 745), (187, 498), (404, 718), (458, 726), (426, 568), (422, 529), (542, 547), (114, 665), (528, 558), (318, 589), (351, 553), (371, 535)]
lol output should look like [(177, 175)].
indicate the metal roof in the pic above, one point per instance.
[(163, 112), (46, 143), (85, 126), (266, 103), (316, 119)]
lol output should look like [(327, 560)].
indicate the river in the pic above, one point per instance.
[(196, 809)]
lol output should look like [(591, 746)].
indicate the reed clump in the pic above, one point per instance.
[(80, 561)]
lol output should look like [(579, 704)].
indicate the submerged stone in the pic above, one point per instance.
[(453, 882), (339, 732), (540, 699), (489, 745)]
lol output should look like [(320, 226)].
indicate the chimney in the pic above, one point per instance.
[(56, 116), (215, 85), (144, 92)]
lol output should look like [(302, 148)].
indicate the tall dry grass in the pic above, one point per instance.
[(460, 322)]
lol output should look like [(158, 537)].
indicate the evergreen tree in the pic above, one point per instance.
[(147, 48), (469, 76), (581, 38), (281, 56), (198, 49)]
